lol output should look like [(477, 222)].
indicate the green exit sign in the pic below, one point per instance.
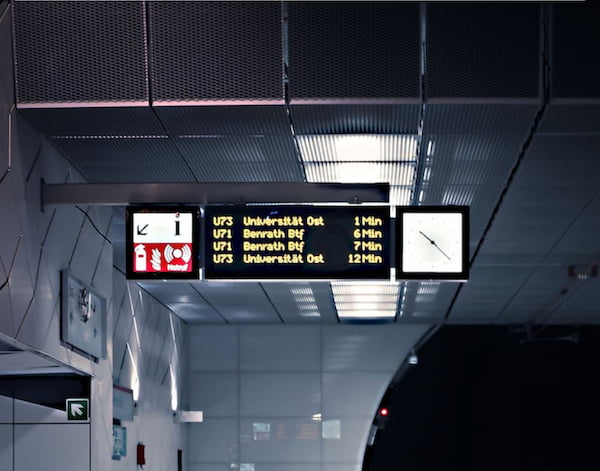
[(78, 409)]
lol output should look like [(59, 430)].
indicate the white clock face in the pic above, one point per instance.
[(432, 242)]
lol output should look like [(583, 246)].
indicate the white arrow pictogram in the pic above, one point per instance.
[(76, 409)]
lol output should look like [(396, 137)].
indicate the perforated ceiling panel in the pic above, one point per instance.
[(479, 119), (249, 305), (579, 119), (489, 290), (580, 307), (482, 50), (302, 302), (120, 121), (425, 301), (242, 158), (80, 51), (216, 51), (575, 40), (547, 222), (224, 120), (351, 50), (468, 153), (538, 296), (351, 119), (130, 160)]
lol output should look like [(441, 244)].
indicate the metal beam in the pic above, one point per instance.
[(110, 194)]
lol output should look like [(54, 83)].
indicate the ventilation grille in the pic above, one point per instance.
[(216, 51), (482, 50), (80, 52), (353, 50)]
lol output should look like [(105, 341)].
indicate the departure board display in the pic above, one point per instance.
[(297, 242)]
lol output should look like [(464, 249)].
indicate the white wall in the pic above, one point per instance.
[(35, 245), (35, 437), (241, 376), (148, 345)]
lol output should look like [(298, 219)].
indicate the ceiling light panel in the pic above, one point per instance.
[(305, 300), (374, 289), (428, 287), (459, 195), (358, 148), (400, 195), (366, 300), (295, 302), (361, 158), (365, 315), (365, 306), (399, 174)]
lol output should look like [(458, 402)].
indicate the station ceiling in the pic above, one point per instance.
[(491, 105)]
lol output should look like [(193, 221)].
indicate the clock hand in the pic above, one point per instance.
[(435, 245), (421, 232)]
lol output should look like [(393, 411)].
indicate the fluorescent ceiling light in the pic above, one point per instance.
[(376, 288), (358, 148), (351, 172), (366, 301), (355, 147), (174, 394), (394, 173), (343, 306), (430, 148), (427, 291), (305, 300), (401, 195), (428, 287), (459, 195), (361, 158), (377, 314), (366, 298)]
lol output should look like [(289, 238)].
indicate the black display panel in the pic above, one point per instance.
[(297, 242)]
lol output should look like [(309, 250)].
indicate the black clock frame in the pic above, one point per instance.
[(444, 276)]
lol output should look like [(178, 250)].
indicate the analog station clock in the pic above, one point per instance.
[(433, 242)]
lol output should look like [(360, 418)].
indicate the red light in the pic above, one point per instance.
[(383, 412)]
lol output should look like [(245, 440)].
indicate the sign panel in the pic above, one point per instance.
[(119, 449), (297, 242), (123, 403), (162, 242), (78, 409)]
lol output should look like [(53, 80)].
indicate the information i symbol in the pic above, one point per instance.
[(177, 224)]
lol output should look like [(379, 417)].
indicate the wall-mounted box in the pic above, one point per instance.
[(83, 317)]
